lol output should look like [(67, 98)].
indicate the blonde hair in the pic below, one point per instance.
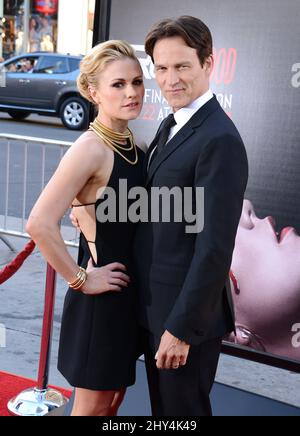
[(96, 61)]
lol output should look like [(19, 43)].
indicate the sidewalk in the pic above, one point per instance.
[(21, 311)]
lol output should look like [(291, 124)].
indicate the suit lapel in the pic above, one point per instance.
[(172, 145), (188, 130), (149, 151)]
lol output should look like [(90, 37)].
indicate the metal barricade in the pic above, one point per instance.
[(26, 165)]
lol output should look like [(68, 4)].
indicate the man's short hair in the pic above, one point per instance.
[(192, 30)]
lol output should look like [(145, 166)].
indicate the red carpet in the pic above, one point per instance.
[(11, 385)]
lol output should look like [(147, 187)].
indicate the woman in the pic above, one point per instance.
[(98, 344), (266, 285), (34, 36)]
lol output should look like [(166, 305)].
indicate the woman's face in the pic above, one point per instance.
[(120, 92), (267, 268)]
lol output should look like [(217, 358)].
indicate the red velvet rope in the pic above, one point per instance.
[(16, 264)]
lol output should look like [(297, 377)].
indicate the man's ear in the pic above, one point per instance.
[(209, 64)]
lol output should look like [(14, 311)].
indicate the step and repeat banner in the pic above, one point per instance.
[(257, 82)]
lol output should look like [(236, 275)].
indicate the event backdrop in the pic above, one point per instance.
[(257, 81)]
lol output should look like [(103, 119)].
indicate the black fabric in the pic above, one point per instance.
[(163, 136), (183, 391), (99, 334)]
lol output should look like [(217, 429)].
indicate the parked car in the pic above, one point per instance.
[(44, 84)]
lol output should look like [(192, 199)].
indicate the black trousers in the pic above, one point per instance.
[(184, 391)]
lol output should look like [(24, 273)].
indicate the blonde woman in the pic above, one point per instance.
[(98, 344)]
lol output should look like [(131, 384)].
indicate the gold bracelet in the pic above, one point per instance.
[(78, 276), (80, 284), (81, 278)]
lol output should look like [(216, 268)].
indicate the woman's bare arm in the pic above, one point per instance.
[(76, 168), (78, 165)]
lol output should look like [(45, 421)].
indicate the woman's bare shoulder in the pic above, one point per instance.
[(90, 144)]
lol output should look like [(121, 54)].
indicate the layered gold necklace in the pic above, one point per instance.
[(113, 139)]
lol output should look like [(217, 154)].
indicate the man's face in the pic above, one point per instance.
[(179, 73)]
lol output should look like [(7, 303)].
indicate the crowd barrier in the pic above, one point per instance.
[(26, 165)]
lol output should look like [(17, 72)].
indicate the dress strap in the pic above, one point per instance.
[(82, 205), (89, 242)]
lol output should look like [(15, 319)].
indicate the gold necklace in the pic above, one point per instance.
[(111, 138)]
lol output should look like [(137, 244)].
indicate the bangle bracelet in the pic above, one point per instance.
[(81, 278), (78, 276)]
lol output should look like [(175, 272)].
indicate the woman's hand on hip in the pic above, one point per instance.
[(109, 278)]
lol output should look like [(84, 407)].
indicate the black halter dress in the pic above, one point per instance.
[(99, 334)]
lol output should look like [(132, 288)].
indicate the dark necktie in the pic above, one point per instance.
[(163, 136)]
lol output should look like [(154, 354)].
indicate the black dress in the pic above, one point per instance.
[(99, 334)]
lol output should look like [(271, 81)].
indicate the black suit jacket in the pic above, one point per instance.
[(182, 277)]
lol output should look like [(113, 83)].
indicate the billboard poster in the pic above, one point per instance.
[(257, 82)]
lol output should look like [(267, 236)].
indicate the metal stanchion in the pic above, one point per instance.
[(7, 243), (41, 400)]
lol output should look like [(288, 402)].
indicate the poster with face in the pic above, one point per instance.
[(257, 82)]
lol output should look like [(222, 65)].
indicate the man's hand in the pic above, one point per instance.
[(172, 352), (74, 221)]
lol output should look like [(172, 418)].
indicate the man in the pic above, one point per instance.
[(28, 66), (185, 306)]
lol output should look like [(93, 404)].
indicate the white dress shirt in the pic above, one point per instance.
[(183, 116)]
